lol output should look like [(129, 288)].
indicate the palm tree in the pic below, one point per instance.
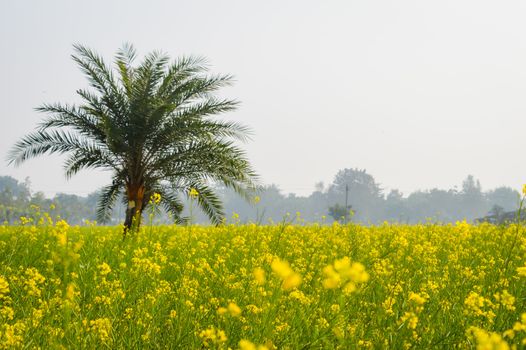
[(151, 125)]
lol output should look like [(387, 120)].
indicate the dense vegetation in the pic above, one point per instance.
[(368, 200), (281, 286)]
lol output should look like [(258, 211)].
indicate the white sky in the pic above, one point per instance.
[(419, 93)]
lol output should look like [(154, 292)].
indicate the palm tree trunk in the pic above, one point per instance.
[(135, 196)]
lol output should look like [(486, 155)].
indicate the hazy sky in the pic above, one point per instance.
[(419, 93)]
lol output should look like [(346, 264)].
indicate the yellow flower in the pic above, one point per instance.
[(4, 287), (350, 288), (524, 190), (388, 305), (477, 305), (487, 340), (259, 275), (506, 299), (101, 327), (33, 282), (155, 198), (343, 273), (212, 336), (291, 282), (246, 345), (419, 300), (234, 310), (193, 193), (62, 225), (521, 271), (281, 268), (332, 278), (357, 273), (7, 312), (290, 278), (335, 308), (70, 292), (14, 335), (104, 269), (62, 240), (411, 318)]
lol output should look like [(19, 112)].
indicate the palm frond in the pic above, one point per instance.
[(49, 141), (107, 199), (189, 123), (89, 159), (64, 116), (209, 202), (195, 88), (124, 60), (179, 72), (172, 204), (101, 79), (149, 74), (210, 106)]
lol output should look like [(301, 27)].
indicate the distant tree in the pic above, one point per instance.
[(319, 186), (13, 191), (364, 193), (341, 213), (151, 126), (395, 207), (497, 211), (473, 202), (14, 199), (74, 208), (497, 215), (505, 197)]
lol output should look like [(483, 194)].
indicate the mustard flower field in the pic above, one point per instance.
[(263, 287)]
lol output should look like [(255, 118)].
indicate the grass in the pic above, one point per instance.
[(281, 286)]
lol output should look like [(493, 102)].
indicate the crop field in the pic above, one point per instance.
[(263, 287)]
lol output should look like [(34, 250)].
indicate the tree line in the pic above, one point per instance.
[(367, 202)]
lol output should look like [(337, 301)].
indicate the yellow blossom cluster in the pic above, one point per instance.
[(487, 340), (252, 286), (231, 309), (104, 269), (101, 328), (193, 193), (283, 270), (4, 288), (477, 305), (212, 337), (248, 345), (505, 299), (155, 198), (345, 274)]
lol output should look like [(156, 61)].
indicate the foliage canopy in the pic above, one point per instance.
[(152, 126)]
